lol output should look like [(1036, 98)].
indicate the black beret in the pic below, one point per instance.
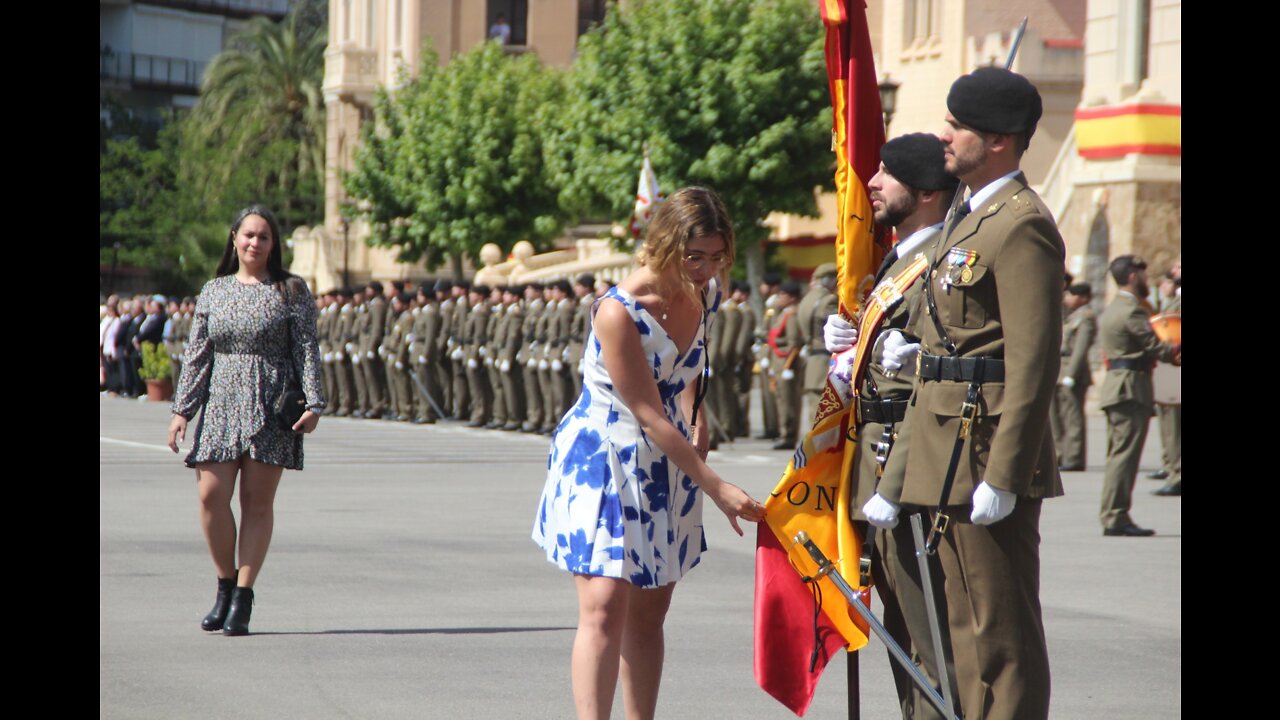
[(537, 286), (995, 100), (480, 289), (916, 160), (1081, 289), (562, 286), (375, 286), (791, 288), (771, 279), (443, 285), (586, 280)]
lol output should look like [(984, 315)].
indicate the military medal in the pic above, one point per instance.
[(961, 262)]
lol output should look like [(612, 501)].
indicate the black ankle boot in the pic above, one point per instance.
[(241, 608), (221, 604)]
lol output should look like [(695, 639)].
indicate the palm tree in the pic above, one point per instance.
[(261, 105)]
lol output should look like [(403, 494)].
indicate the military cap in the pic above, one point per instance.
[(1081, 289), (995, 100), (916, 160), (537, 286), (825, 270), (375, 286), (771, 279), (563, 286), (586, 280), (791, 288), (443, 285), (480, 289)]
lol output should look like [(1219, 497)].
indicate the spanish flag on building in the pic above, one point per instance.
[(791, 645)]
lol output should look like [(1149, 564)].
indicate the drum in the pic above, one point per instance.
[(1166, 378)]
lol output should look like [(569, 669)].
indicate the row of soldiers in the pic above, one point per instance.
[(503, 357)]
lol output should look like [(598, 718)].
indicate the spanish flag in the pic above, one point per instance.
[(792, 641)]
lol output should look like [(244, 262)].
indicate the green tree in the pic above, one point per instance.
[(257, 132), (726, 94), (455, 159), (143, 208)]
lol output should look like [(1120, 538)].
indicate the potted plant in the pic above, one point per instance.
[(157, 372)]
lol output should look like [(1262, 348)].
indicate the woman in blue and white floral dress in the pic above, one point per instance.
[(622, 506)]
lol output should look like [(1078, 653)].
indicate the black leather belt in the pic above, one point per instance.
[(884, 412), (959, 369), (1122, 364)]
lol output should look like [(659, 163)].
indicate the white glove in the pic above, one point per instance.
[(452, 343), (488, 362), (457, 354), (710, 373), (339, 356), (542, 365), (564, 354), (991, 504), (411, 337), (355, 359), (1068, 382), (472, 364), (399, 365), (788, 374), (839, 334), (422, 359), (764, 363), (804, 351), (898, 353), (328, 357), (881, 513), (532, 364), (557, 366), (351, 347), (505, 366), (370, 354), (580, 367), (484, 351), (382, 350)]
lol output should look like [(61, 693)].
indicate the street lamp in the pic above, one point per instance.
[(888, 99)]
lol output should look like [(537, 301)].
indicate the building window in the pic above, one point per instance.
[(590, 14), (515, 15), (920, 20)]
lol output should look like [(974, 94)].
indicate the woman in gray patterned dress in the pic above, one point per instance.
[(254, 328)]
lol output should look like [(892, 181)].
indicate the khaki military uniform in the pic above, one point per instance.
[(528, 361), (1127, 398), (547, 381), (375, 377), (1078, 333), (324, 338), (722, 346), (398, 363), (789, 379), (355, 348), (769, 365), (492, 370), (507, 346), (999, 295), (812, 313), (475, 331), (743, 369), (579, 329), (344, 320), (457, 332), (426, 330), (1171, 422)]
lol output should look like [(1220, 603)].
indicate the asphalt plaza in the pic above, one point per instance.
[(402, 583)]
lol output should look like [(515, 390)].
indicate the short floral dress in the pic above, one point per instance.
[(613, 504), (245, 343)]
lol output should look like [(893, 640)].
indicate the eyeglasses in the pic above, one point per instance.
[(696, 261)]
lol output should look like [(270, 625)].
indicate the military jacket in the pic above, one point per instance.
[(1127, 335)]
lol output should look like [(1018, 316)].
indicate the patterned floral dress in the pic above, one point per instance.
[(613, 504), (237, 364)]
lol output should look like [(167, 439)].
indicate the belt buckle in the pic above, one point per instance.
[(968, 411), (940, 524)]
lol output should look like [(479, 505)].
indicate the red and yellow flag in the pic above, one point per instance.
[(791, 647)]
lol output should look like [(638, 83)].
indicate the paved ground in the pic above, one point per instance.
[(402, 584)]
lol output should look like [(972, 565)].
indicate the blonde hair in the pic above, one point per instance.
[(687, 214)]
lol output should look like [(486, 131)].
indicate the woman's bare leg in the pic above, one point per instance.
[(642, 650), (602, 613), (258, 484), (216, 483)]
